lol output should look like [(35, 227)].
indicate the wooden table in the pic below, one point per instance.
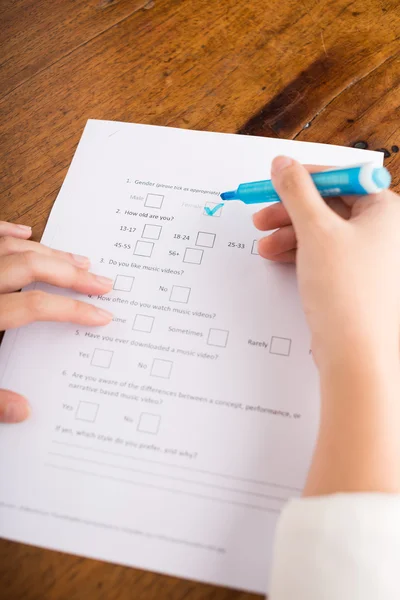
[(325, 71)]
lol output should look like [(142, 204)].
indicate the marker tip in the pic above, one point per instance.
[(228, 195)]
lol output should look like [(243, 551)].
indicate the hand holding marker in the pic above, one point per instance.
[(349, 181)]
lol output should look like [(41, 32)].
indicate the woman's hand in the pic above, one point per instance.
[(348, 262), (348, 267), (23, 262)]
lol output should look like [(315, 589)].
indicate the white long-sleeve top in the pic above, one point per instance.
[(339, 547)]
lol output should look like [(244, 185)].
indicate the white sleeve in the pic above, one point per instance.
[(340, 547)]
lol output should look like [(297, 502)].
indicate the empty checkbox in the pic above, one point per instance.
[(143, 323), (180, 294), (154, 200), (280, 346), (102, 358), (149, 423), (218, 337), (193, 256), (123, 283), (152, 232), (87, 411), (205, 240), (161, 368), (254, 249), (143, 248)]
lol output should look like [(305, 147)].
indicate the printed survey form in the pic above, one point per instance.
[(170, 439)]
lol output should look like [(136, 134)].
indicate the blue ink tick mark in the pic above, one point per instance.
[(211, 211)]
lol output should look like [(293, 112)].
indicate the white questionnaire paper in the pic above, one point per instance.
[(170, 439)]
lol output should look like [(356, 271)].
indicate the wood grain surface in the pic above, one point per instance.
[(324, 71)]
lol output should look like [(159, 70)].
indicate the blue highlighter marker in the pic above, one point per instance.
[(350, 181)]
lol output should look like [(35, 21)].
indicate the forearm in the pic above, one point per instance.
[(358, 447), (345, 545)]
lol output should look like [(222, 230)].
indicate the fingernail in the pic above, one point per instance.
[(15, 412), (280, 163), (103, 315), (104, 280), (24, 228), (80, 260)]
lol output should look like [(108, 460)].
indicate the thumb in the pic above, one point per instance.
[(13, 407), (298, 194)]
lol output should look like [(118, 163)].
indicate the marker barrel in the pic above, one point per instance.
[(361, 180)]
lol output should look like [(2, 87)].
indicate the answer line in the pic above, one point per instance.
[(163, 489), (182, 479), (163, 464)]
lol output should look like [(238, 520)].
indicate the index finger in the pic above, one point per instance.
[(271, 217), (15, 230)]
